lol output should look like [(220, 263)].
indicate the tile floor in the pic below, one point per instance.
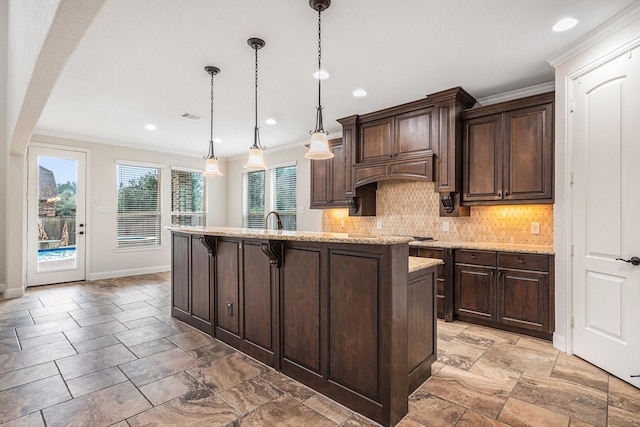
[(108, 353)]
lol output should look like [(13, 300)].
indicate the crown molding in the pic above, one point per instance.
[(616, 23), (517, 94)]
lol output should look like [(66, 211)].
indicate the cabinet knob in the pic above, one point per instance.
[(473, 257), (506, 193), (499, 193)]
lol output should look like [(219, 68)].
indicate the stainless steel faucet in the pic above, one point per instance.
[(277, 217)]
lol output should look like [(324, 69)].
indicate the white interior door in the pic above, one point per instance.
[(56, 228), (606, 208)]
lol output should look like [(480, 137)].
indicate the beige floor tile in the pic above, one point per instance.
[(161, 391), (623, 395), (469, 390), (94, 331), (191, 340), (95, 381), (285, 411), (101, 408), (576, 370), (145, 334), (158, 366), (457, 354), (151, 347), (34, 419), (93, 361), (584, 404), (292, 388), (474, 419), (27, 398), (330, 409), (200, 409), (434, 411), (522, 414), (620, 418), (27, 375), (247, 396), (222, 374), (42, 339), (35, 356), (33, 331)]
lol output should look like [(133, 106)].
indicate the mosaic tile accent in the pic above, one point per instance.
[(410, 208)]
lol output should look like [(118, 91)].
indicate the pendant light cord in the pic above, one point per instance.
[(256, 135), (319, 125), (211, 154)]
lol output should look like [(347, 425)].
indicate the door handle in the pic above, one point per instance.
[(80, 232), (634, 260)]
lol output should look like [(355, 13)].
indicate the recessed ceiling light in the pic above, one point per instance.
[(359, 93), (565, 24), (321, 74), (271, 121), (217, 140), (150, 126)]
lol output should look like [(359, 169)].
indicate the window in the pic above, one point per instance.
[(283, 196), (253, 200), (138, 206), (187, 198)]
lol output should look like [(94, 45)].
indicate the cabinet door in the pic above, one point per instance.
[(482, 159), (375, 140), (475, 291), (228, 286), (201, 296), (320, 183), (528, 153), (523, 299), (413, 133), (338, 175), (180, 276)]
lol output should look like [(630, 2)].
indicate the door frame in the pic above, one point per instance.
[(87, 214), (569, 80)]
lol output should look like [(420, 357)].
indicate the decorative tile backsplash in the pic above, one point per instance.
[(410, 208)]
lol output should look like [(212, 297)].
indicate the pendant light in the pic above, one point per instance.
[(319, 147), (211, 167), (256, 160)]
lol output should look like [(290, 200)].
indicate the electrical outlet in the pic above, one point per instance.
[(379, 225), (535, 228), (445, 225)]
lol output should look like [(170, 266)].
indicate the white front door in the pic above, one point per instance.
[(56, 228), (606, 212)]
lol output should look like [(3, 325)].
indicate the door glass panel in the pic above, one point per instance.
[(57, 206)]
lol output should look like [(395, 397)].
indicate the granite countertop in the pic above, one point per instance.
[(417, 263), (487, 246), (306, 236)]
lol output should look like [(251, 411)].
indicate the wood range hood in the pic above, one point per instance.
[(419, 140)]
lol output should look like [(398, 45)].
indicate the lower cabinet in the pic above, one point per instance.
[(444, 287), (512, 291), (192, 288)]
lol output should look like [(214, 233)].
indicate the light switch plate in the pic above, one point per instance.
[(535, 228), (445, 225), (379, 225)]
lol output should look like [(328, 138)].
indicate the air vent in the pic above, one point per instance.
[(190, 116)]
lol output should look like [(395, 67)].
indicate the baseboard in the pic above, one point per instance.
[(560, 342), (11, 292), (131, 272)]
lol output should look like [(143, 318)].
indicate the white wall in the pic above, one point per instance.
[(620, 31), (307, 219), (104, 260), (3, 139)]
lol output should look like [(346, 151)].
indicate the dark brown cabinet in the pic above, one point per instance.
[(444, 290), (192, 288), (245, 295), (508, 152), (328, 185), (512, 291)]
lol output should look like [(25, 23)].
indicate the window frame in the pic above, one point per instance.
[(202, 214), (158, 239)]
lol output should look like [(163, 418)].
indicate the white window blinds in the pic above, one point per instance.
[(283, 195), (253, 200), (138, 206), (187, 198)]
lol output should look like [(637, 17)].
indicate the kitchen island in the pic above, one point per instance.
[(350, 316)]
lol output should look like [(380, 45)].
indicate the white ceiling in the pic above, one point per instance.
[(143, 62)]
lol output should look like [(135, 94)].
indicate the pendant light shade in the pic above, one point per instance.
[(319, 146), (211, 167), (256, 159)]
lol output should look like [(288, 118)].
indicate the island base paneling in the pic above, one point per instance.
[(347, 320)]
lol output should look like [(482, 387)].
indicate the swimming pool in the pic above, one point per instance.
[(56, 254)]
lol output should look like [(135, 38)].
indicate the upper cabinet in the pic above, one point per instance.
[(328, 179), (508, 152)]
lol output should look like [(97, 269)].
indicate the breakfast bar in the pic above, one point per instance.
[(352, 317)]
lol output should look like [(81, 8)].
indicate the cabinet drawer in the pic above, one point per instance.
[(523, 261), (476, 257), (431, 253)]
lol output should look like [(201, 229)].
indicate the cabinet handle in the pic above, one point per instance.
[(506, 193), (521, 260), (473, 257), (499, 193)]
